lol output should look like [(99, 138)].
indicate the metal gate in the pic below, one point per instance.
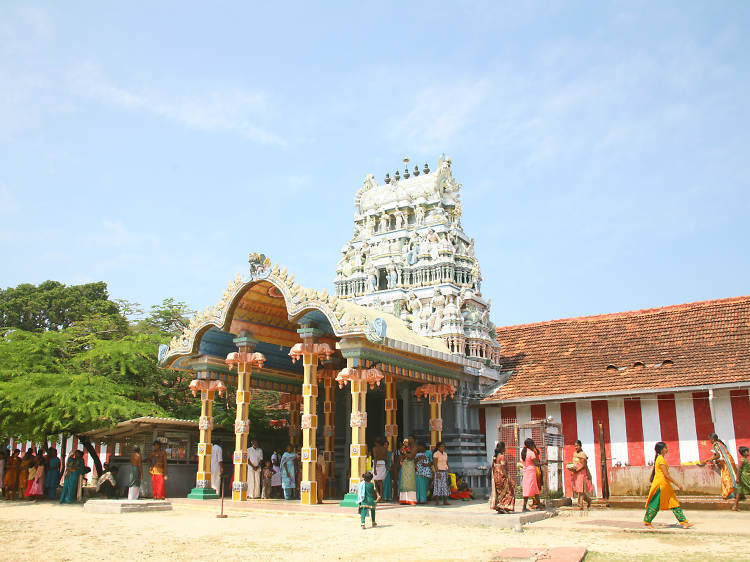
[(548, 438)]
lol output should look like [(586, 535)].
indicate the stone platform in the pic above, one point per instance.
[(126, 506)]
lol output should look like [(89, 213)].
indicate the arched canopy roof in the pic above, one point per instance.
[(269, 304)]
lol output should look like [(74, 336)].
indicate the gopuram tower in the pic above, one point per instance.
[(409, 256)]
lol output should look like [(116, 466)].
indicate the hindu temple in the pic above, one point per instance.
[(403, 346)]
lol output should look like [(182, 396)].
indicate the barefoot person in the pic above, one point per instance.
[(136, 474), (441, 486), (367, 499), (743, 480), (379, 457), (158, 471), (503, 498), (530, 483), (723, 458), (581, 476), (661, 495)]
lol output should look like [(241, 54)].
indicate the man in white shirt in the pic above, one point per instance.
[(217, 468), (254, 468)]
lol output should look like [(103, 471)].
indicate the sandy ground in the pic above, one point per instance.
[(462, 531)]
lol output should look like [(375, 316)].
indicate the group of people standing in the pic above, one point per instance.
[(735, 480), (158, 472), (414, 470), (37, 474), (503, 488)]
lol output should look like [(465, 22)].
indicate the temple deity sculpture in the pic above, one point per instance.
[(400, 219), (437, 304), (372, 279), (419, 215), (392, 276), (383, 224)]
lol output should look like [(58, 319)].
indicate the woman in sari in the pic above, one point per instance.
[(35, 487), (743, 482), (407, 489), (288, 475), (723, 458), (424, 474), (661, 496), (23, 472), (73, 471), (503, 497), (387, 482), (52, 478), (530, 483), (581, 476), (10, 481)]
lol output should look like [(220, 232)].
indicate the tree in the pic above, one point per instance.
[(53, 306)]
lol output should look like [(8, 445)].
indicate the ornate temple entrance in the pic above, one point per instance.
[(267, 332)]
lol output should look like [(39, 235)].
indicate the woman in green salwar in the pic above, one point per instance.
[(743, 480), (73, 471)]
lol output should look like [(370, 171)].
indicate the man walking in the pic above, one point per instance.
[(379, 456), (217, 467), (136, 474), (254, 467)]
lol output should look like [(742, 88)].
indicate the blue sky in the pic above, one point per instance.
[(602, 147)]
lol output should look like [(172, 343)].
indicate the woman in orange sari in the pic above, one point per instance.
[(723, 458), (23, 472), (581, 476), (10, 481), (661, 496), (503, 498)]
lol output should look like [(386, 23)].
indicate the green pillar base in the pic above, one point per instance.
[(350, 500), (203, 494)]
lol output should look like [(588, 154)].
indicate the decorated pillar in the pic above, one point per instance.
[(244, 360), (436, 393), (311, 353), (358, 379), (391, 429), (328, 375), (293, 403), (208, 388)]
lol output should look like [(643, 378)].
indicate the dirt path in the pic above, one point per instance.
[(192, 532)]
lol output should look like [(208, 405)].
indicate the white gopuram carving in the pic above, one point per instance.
[(410, 256)]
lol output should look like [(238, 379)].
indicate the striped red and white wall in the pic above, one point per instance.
[(632, 425)]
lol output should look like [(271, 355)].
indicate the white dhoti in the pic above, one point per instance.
[(380, 470), (216, 480), (134, 492), (253, 483)]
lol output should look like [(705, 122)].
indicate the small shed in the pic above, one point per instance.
[(179, 440)]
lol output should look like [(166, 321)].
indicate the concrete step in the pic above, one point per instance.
[(125, 506)]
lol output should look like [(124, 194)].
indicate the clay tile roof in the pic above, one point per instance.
[(706, 342)]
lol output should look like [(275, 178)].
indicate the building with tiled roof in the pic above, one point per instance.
[(672, 374)]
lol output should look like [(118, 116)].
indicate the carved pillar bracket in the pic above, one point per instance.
[(436, 393), (244, 361)]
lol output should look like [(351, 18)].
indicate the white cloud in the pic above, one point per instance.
[(229, 111), (439, 113), (8, 203)]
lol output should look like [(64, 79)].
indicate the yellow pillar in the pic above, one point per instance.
[(309, 425), (358, 422), (208, 389), (294, 420), (244, 360), (205, 425), (391, 428), (436, 419)]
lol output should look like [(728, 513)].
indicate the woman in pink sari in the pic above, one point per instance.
[(581, 476), (35, 484), (530, 485)]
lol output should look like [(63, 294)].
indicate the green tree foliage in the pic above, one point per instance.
[(83, 361), (52, 305)]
